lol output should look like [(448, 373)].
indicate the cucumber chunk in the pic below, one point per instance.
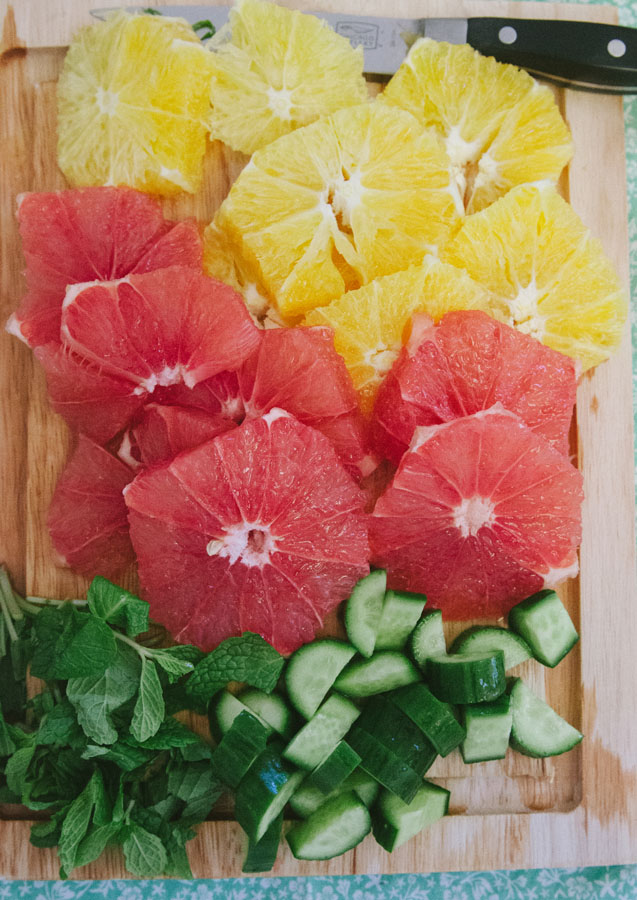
[(467, 677), (335, 768), (308, 797), (398, 733), (311, 672), (334, 828), (264, 791), (383, 765), (488, 728), (271, 709), (224, 709), (318, 737), (537, 730), (487, 638), (432, 716), (395, 822), (239, 747), (401, 611), (428, 638), (384, 671), (261, 855), (363, 611), (544, 623)]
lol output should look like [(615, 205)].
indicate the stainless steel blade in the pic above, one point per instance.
[(384, 40)]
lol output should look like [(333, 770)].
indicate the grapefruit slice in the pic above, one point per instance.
[(81, 235), (481, 513), (295, 369), (164, 431), (465, 363), (87, 518), (260, 529)]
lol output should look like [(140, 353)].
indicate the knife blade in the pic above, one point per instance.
[(588, 56)]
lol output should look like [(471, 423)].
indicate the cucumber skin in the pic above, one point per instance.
[(261, 856), (240, 746), (500, 709), (517, 622), (404, 607), (392, 728), (464, 643), (268, 776), (333, 771), (434, 717), (383, 765), (431, 624), (327, 816), (476, 687), (362, 634), (388, 834)]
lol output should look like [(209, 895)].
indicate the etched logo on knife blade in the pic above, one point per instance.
[(359, 34)]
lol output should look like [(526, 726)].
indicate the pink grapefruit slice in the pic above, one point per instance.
[(87, 518), (260, 529), (75, 236), (481, 513), (165, 431), (464, 364)]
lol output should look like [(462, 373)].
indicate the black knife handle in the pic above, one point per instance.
[(578, 53)]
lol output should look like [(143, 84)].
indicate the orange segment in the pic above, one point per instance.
[(326, 209), (499, 126)]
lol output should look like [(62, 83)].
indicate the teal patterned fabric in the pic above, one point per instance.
[(592, 883)]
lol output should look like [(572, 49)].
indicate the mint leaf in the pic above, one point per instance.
[(149, 710), (16, 768), (95, 842), (174, 663), (117, 606), (70, 644), (75, 825), (96, 698), (59, 726), (169, 735), (248, 658), (144, 853), (7, 744)]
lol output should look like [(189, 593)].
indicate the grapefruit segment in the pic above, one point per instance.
[(466, 363), (87, 518), (260, 529), (164, 327), (74, 236), (89, 400), (164, 431), (480, 512)]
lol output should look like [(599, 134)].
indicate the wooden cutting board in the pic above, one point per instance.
[(579, 809)]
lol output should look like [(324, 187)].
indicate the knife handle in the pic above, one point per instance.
[(576, 53)]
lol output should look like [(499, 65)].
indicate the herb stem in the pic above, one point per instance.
[(9, 609), (126, 640)]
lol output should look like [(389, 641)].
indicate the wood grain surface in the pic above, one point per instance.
[(579, 809)]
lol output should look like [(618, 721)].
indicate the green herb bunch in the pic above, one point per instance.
[(98, 749)]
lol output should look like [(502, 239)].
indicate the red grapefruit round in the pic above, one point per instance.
[(260, 529), (481, 512), (466, 363), (75, 236), (87, 518)]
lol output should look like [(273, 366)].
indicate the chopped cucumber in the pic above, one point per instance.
[(308, 797), (224, 709), (537, 730), (335, 827), (271, 709), (395, 822), (335, 768), (383, 765), (312, 670), (467, 677), (428, 638), (401, 611), (363, 611), (488, 728), (398, 733), (239, 747), (318, 737), (264, 791), (544, 623), (432, 716), (261, 855), (384, 671), (487, 638)]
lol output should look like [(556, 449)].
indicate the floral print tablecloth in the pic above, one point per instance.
[(593, 883)]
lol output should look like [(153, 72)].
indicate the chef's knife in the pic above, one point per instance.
[(585, 55)]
